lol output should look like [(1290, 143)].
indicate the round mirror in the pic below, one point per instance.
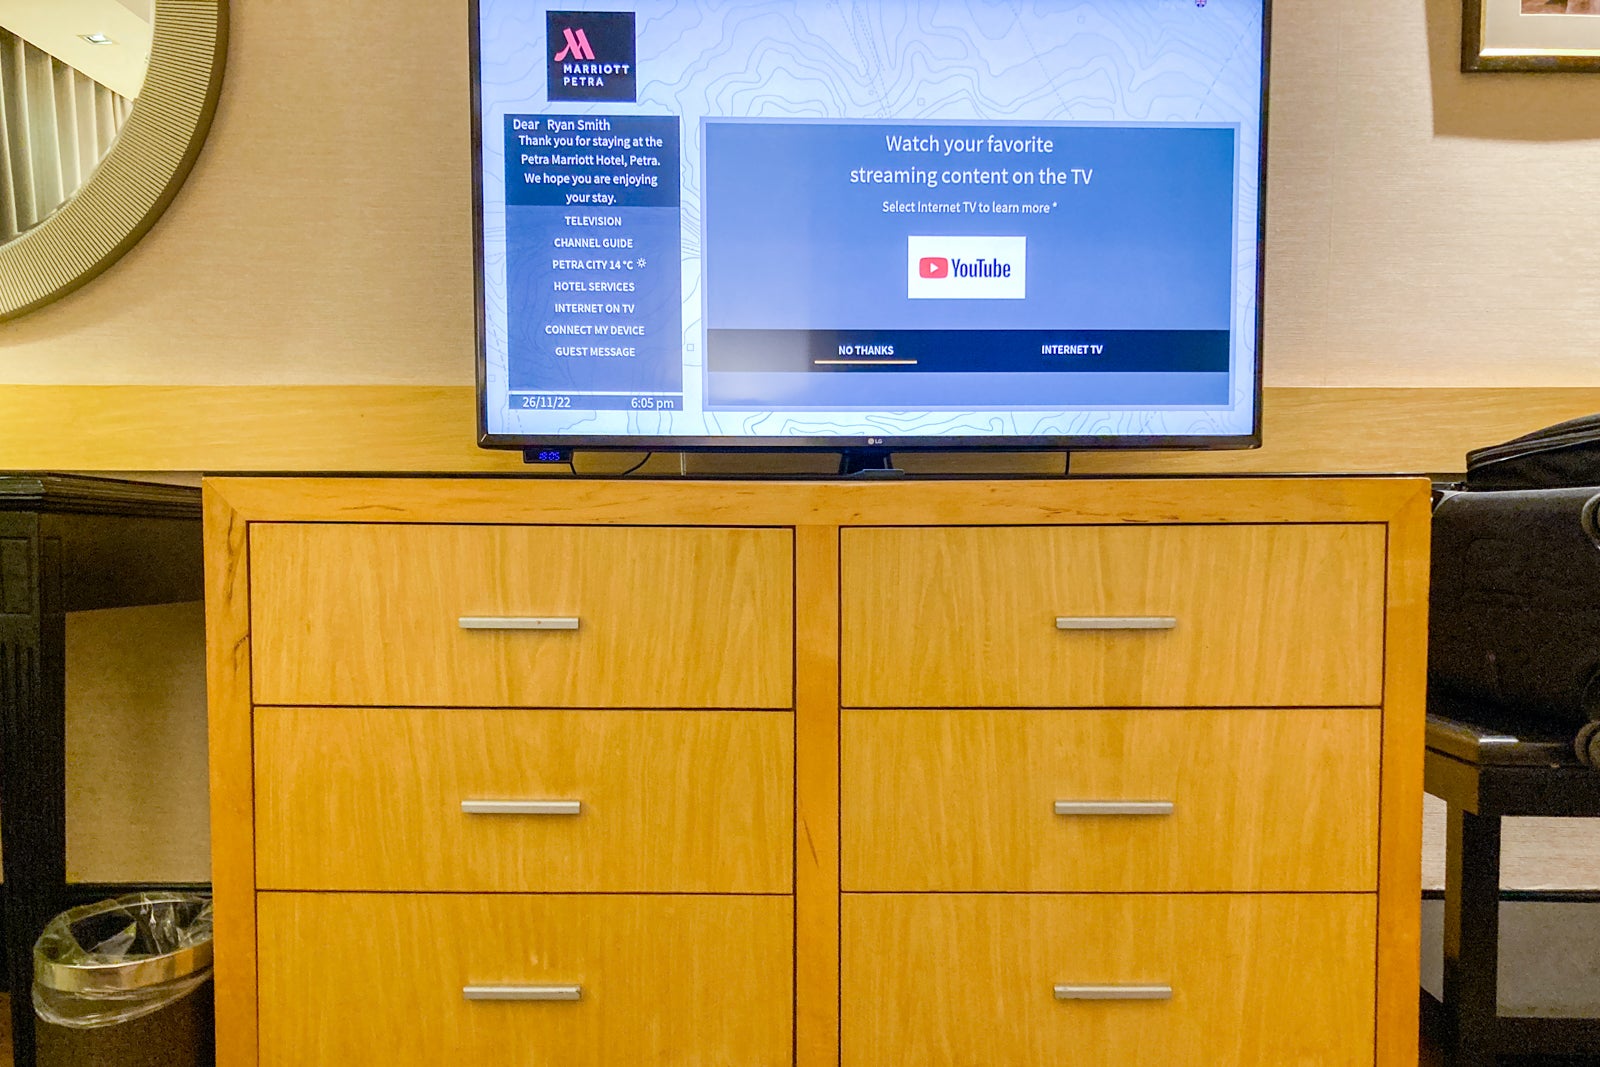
[(103, 107)]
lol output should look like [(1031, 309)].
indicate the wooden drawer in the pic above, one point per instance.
[(1257, 981), (379, 979), (968, 616), (667, 801), (371, 614), (966, 800)]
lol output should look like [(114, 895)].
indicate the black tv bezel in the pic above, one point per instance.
[(834, 443)]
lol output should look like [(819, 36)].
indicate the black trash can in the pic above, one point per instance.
[(126, 983)]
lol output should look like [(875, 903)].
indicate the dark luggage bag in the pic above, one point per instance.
[(1515, 604)]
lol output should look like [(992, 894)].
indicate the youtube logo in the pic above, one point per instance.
[(967, 268)]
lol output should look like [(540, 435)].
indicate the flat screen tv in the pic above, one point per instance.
[(868, 224)]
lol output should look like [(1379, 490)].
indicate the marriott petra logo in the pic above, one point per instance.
[(592, 55), (577, 46)]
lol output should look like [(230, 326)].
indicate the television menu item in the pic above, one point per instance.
[(875, 223)]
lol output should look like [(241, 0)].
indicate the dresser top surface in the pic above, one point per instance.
[(783, 503)]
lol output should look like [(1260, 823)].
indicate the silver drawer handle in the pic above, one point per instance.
[(519, 622), (1115, 622), (1113, 992), (1113, 807), (522, 992), (522, 807)]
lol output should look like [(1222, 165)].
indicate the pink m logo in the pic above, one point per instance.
[(577, 46)]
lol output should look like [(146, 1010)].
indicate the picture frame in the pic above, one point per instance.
[(1530, 35)]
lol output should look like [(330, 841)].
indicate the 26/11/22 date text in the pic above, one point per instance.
[(603, 402)]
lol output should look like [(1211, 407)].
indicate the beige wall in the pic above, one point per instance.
[(1427, 228), (324, 234)]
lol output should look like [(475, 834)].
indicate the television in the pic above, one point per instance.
[(879, 225)]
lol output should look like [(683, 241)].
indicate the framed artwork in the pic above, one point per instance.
[(1540, 35)]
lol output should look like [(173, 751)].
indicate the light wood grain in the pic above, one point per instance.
[(1400, 818), (369, 614), (966, 617), (676, 981), (855, 503), (1242, 953), (366, 427), (691, 802), (231, 784), (817, 797), (1278, 980), (964, 800)]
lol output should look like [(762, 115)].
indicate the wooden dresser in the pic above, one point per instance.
[(546, 773)]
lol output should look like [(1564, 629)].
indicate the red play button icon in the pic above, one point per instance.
[(934, 267)]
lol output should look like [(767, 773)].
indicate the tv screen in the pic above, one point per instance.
[(904, 224)]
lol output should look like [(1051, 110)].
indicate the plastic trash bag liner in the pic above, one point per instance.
[(121, 959)]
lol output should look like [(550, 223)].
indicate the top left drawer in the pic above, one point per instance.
[(530, 616)]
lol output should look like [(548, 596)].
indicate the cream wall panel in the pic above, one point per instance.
[(1427, 228), (136, 745)]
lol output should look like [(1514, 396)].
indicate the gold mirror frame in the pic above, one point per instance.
[(138, 178)]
